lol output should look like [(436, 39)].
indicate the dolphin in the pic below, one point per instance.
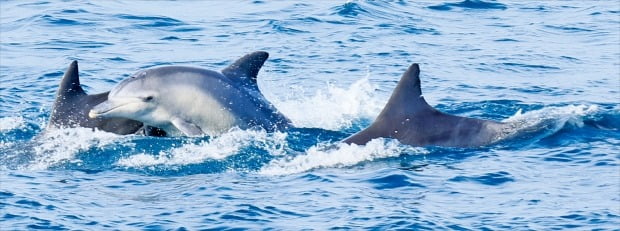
[(72, 105), (408, 118), (193, 101)]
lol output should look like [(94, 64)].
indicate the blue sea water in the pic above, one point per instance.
[(332, 66)]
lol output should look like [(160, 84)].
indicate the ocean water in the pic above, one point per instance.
[(332, 66)]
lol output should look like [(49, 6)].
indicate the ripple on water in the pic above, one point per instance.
[(156, 19), (350, 9), (156, 22), (58, 21), (282, 27), (470, 4), (394, 181), (57, 44), (568, 28), (29, 203), (521, 66), (491, 179), (5, 195)]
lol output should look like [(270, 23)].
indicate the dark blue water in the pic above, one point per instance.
[(332, 67)]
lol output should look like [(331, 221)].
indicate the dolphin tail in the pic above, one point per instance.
[(246, 68), (405, 102)]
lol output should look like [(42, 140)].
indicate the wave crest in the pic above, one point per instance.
[(339, 155)]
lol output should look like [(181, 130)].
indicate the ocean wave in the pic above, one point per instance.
[(11, 123), (535, 125), (218, 148), (57, 146), (338, 155)]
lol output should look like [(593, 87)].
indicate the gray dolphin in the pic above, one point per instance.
[(194, 101), (72, 105), (409, 119)]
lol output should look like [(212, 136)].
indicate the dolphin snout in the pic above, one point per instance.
[(92, 114), (100, 109)]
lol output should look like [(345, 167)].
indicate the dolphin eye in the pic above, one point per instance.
[(148, 98)]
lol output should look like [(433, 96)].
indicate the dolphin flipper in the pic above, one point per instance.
[(188, 128)]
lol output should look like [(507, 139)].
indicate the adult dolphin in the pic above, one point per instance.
[(194, 101), (409, 119), (72, 105)]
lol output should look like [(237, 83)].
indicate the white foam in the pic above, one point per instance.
[(11, 123), (571, 114), (338, 155), (334, 108), (4, 144), (218, 148), (56, 146), (549, 119)]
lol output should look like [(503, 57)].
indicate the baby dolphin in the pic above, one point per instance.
[(194, 101)]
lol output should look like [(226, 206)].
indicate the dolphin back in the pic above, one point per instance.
[(244, 71), (408, 118)]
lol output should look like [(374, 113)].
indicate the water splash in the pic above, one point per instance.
[(218, 148), (57, 146), (11, 123), (333, 109), (338, 155), (538, 124), (570, 114)]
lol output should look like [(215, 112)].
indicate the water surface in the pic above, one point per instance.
[(332, 66)]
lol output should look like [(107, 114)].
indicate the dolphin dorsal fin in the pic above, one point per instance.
[(246, 68), (70, 83), (407, 99), (63, 111)]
